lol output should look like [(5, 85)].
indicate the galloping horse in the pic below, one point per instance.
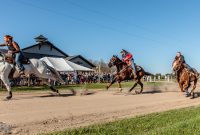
[(185, 77), (34, 67), (124, 72)]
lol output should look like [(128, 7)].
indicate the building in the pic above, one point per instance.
[(80, 60), (44, 48)]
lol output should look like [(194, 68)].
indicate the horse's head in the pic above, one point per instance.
[(177, 64), (114, 61)]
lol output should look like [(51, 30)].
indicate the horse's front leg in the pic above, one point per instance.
[(4, 77), (110, 84), (181, 87), (6, 82), (185, 88), (120, 86)]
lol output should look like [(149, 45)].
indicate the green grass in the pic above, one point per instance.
[(176, 122), (78, 87)]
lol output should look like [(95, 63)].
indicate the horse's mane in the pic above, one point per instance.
[(118, 59)]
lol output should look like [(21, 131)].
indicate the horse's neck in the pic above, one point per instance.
[(182, 71), (120, 65)]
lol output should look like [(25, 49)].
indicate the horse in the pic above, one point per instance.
[(34, 67), (185, 77), (124, 72)]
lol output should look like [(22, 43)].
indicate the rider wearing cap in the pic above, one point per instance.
[(128, 58), (14, 50)]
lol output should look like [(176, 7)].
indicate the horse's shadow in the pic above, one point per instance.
[(152, 92), (134, 92), (197, 94), (54, 95)]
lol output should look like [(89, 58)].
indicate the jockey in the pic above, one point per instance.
[(128, 58), (182, 59), (14, 50)]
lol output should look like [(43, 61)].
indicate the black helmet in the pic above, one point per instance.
[(123, 51)]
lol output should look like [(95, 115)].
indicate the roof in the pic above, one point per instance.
[(40, 37), (75, 56), (61, 64), (38, 56), (49, 43)]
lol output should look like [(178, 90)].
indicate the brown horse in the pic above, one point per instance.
[(124, 72), (185, 77)]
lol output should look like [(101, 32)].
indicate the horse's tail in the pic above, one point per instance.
[(54, 73), (147, 73)]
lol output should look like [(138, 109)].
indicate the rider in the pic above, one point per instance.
[(15, 51), (182, 59), (128, 58)]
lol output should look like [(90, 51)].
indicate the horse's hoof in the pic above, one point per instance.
[(187, 95), (192, 97), (9, 96)]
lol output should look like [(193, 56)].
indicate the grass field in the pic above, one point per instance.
[(176, 122), (80, 86)]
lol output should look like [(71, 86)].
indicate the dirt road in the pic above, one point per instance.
[(33, 113)]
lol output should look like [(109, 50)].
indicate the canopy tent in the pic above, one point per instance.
[(62, 65), (77, 67)]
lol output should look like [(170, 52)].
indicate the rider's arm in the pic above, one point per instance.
[(3, 44), (182, 59), (16, 46)]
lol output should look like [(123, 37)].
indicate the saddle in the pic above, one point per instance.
[(11, 60), (138, 68)]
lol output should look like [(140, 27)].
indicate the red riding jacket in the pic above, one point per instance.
[(128, 57)]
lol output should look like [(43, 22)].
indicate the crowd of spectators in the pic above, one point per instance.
[(80, 78)]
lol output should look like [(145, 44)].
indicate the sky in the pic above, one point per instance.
[(152, 30)]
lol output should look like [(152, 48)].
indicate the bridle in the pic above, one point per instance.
[(179, 65)]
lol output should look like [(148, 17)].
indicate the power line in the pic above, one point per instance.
[(84, 21), (117, 19)]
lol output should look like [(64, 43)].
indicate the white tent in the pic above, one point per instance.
[(77, 67), (62, 65)]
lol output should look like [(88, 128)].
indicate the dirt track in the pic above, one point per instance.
[(33, 113)]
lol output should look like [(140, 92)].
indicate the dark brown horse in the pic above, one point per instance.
[(185, 77), (124, 72)]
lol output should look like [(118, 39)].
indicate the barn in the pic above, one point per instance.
[(44, 48)]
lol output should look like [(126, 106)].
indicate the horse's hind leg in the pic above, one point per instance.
[(141, 85), (194, 86), (51, 87)]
